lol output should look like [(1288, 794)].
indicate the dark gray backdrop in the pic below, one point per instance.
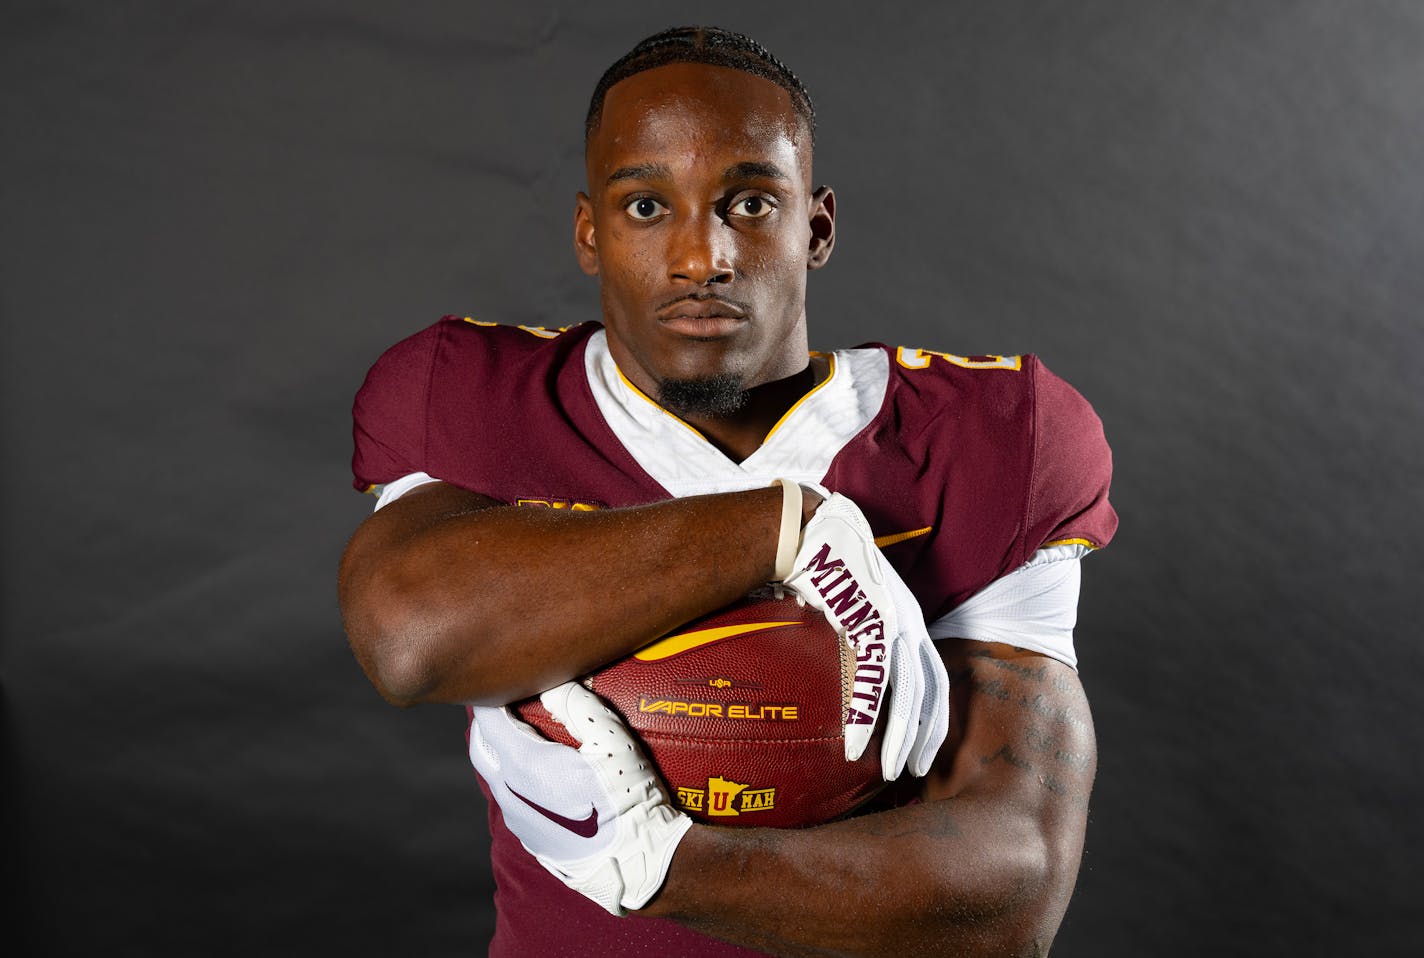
[(1207, 216)]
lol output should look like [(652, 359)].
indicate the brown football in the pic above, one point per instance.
[(741, 712)]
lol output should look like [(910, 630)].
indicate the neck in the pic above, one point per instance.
[(740, 434)]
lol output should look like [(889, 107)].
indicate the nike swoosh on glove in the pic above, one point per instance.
[(597, 817), (839, 570)]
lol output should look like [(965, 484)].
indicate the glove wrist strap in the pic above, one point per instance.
[(788, 541)]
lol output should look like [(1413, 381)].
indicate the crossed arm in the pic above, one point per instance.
[(449, 596), (984, 864)]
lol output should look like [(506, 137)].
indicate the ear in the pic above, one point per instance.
[(823, 227), (584, 246)]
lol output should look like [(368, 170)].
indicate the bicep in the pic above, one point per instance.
[(372, 563), (396, 523), (1021, 733)]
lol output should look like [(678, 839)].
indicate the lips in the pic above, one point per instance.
[(702, 318)]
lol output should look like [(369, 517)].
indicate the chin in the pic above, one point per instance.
[(717, 395)]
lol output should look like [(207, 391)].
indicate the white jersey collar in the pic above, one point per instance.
[(800, 447)]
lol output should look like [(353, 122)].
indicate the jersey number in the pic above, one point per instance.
[(920, 359)]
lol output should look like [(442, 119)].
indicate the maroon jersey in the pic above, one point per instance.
[(964, 466)]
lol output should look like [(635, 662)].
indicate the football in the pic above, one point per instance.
[(741, 712)]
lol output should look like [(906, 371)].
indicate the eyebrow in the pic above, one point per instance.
[(747, 169), (753, 168), (645, 171)]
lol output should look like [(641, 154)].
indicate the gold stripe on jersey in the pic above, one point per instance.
[(674, 417), (894, 537), (543, 332), (830, 372), (1087, 543)]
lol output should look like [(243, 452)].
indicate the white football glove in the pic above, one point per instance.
[(839, 570), (596, 816)]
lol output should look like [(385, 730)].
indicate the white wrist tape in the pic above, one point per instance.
[(789, 539)]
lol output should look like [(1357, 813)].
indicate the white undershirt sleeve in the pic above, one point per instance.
[(1034, 607), (392, 491)]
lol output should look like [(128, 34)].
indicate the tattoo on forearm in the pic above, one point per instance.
[(1024, 671), (1033, 673), (1044, 741), (1067, 791), (1056, 743), (1052, 783), (1007, 754), (1056, 712), (993, 688), (1078, 761)]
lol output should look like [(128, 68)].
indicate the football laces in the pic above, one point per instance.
[(780, 593)]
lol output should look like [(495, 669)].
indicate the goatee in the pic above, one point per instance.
[(713, 396)]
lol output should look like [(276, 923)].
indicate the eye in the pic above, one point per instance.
[(644, 208), (752, 207)]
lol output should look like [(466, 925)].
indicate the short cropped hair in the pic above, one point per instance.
[(713, 46)]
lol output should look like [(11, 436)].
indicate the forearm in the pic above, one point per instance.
[(956, 877), (449, 601), (984, 866)]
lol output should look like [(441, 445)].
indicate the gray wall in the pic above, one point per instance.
[(1206, 215)]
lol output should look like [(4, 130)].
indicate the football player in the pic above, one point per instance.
[(551, 500)]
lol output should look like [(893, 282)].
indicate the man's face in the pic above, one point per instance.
[(700, 223)]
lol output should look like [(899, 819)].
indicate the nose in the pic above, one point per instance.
[(700, 251)]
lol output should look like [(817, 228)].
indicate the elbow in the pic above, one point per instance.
[(1034, 914), (402, 646), (1018, 904), (1040, 883), (397, 663), (400, 674)]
